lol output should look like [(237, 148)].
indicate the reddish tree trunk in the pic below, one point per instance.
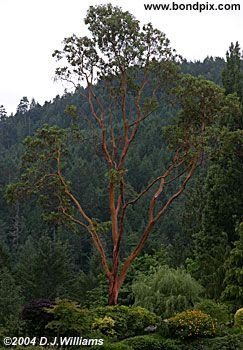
[(113, 290)]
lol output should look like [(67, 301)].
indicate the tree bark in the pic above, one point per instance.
[(113, 290)]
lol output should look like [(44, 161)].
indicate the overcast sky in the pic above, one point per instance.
[(30, 30)]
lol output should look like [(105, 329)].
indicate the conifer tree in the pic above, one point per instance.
[(223, 205), (10, 298), (232, 75), (234, 271), (23, 105), (45, 269), (3, 113)]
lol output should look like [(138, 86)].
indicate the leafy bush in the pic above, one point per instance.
[(128, 321), (192, 324), (239, 318), (150, 342), (116, 322), (104, 325), (230, 342), (30, 347), (166, 291), (36, 317), (218, 311), (113, 346), (163, 329), (69, 319)]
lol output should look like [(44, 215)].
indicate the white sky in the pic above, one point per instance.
[(30, 30)]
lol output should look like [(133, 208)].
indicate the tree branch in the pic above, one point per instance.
[(137, 123), (90, 227), (153, 220)]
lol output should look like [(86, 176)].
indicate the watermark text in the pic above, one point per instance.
[(193, 6)]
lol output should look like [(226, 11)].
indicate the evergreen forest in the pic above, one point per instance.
[(121, 201)]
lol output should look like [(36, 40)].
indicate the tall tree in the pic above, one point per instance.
[(3, 113), (23, 105), (33, 104), (232, 75), (10, 299), (134, 66), (233, 281), (45, 269), (223, 203), (22, 110)]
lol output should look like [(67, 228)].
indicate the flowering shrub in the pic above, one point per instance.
[(192, 324), (239, 318)]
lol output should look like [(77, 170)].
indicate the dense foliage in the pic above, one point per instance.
[(239, 318), (166, 291), (115, 322), (192, 324)]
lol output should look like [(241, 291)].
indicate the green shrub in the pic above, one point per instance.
[(166, 291), (218, 311), (104, 325), (239, 318), (150, 342), (116, 322), (128, 321), (13, 328), (146, 342), (29, 347), (192, 324), (113, 346), (69, 319), (163, 329), (230, 342)]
